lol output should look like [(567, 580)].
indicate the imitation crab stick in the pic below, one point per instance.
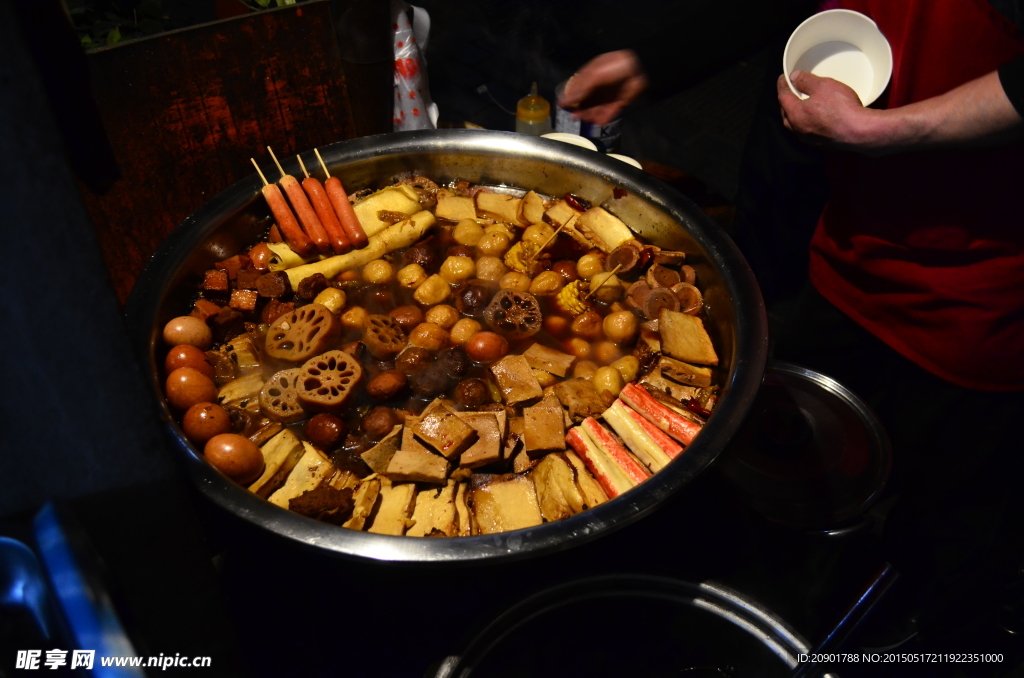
[(636, 438), (667, 445), (286, 222), (622, 458), (605, 471), (300, 203), (677, 426), (343, 208), (340, 242)]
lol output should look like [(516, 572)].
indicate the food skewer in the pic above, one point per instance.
[(547, 242), (286, 221), (603, 282), (342, 207), (300, 203), (340, 241)]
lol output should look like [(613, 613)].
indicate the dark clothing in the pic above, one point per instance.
[(1011, 77)]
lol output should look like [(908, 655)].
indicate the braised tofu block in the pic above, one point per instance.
[(490, 429), (310, 470), (343, 479), (683, 337), (580, 397), (364, 501), (545, 430), (516, 380), (379, 456), (560, 213), (531, 209), (454, 207), (548, 359), (588, 486), (439, 428), (418, 465), (435, 514), (603, 229), (401, 199), (503, 502), (499, 206), (557, 493), (514, 439), (395, 510), (280, 455), (685, 373)]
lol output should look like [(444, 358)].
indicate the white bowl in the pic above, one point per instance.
[(574, 139), (844, 45)]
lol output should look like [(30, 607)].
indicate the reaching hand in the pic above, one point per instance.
[(604, 86), (832, 116)]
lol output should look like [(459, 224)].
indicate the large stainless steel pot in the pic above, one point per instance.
[(236, 217)]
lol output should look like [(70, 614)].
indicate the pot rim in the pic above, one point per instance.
[(738, 389)]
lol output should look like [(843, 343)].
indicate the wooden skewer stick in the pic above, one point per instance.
[(258, 171), (548, 241), (603, 282), (302, 165), (279, 168), (322, 163)]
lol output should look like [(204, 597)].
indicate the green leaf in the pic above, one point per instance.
[(285, 3), (87, 42), (114, 36)]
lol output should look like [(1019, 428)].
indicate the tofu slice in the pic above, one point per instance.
[(603, 229), (401, 199), (439, 428), (655, 380), (683, 337), (580, 397), (685, 373), (280, 455), (503, 503), (418, 466), (531, 209), (379, 456), (591, 490), (395, 509), (435, 513), (549, 360), (454, 207), (560, 213), (311, 469), (365, 499), (557, 493), (516, 380), (544, 430), (499, 206), (490, 429), (636, 438)]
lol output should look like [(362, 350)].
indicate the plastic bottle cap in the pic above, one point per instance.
[(533, 107)]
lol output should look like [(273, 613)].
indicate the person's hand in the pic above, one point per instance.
[(604, 86), (831, 117)]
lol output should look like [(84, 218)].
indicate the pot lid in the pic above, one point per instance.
[(811, 454)]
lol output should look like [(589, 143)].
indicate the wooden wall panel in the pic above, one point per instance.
[(185, 111)]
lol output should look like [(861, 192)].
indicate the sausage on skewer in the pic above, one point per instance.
[(307, 216), (343, 208), (322, 204), (286, 222)]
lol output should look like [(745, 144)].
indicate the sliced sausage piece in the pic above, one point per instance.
[(346, 215), (307, 215)]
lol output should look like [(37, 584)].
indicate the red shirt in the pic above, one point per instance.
[(926, 250)]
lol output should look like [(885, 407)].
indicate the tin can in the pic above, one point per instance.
[(605, 137)]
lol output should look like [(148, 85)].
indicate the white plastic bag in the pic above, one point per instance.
[(414, 108)]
